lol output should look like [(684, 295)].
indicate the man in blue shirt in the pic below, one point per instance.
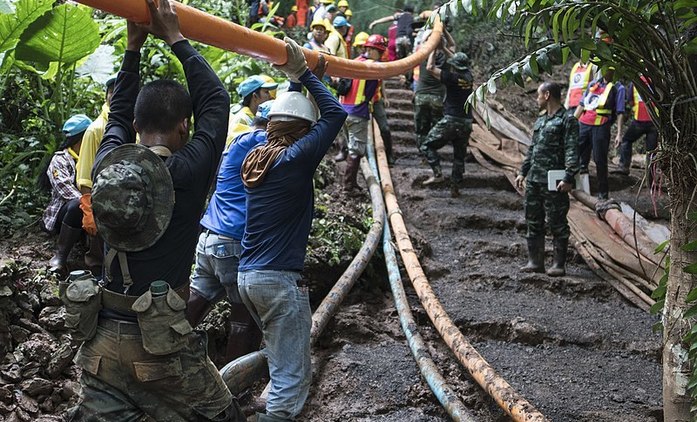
[(280, 200), (218, 250)]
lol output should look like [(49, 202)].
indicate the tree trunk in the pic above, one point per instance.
[(676, 366)]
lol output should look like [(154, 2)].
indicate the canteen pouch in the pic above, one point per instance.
[(83, 301), (162, 322)]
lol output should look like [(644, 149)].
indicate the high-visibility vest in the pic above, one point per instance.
[(641, 114), (596, 113), (356, 94), (581, 75)]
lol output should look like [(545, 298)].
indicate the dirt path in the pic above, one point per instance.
[(571, 346)]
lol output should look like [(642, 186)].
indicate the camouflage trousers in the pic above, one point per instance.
[(541, 202), (428, 110), (122, 382), (448, 129)]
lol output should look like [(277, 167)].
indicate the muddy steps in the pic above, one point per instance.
[(537, 331)]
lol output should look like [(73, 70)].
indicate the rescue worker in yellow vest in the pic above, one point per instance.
[(640, 126), (335, 41), (357, 104), (320, 30), (254, 90), (602, 103), (581, 75)]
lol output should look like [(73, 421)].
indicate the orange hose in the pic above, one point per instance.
[(208, 29)]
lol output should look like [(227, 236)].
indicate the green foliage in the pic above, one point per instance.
[(65, 35), (20, 201), (12, 25)]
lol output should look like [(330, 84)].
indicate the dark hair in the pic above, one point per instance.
[(553, 88), (408, 8), (161, 105)]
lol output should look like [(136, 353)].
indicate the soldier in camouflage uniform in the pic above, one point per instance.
[(428, 98), (554, 147), (456, 124)]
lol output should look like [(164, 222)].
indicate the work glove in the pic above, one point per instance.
[(296, 64), (88, 224)]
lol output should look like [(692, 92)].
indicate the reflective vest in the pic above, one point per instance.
[(641, 114), (595, 113), (581, 75), (356, 95), (239, 123)]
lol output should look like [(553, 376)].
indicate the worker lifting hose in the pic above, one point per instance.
[(208, 29)]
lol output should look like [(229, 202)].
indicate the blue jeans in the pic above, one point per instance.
[(215, 272), (282, 310)]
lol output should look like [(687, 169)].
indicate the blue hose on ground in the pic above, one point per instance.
[(443, 392)]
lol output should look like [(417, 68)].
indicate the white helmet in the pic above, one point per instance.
[(292, 105)]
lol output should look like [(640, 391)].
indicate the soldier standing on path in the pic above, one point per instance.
[(456, 124), (428, 96), (554, 146)]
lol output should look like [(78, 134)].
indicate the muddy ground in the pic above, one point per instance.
[(571, 346)]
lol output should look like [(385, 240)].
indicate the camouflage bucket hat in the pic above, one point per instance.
[(132, 198), (459, 61)]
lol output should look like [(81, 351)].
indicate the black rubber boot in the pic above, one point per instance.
[(94, 257), (263, 417), (197, 307), (387, 140), (351, 173), (66, 240), (559, 267), (244, 336), (436, 178), (536, 256)]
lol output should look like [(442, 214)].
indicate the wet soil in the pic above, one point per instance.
[(572, 346)]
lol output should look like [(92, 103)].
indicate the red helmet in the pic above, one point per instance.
[(376, 41)]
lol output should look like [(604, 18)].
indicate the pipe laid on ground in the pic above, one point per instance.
[(505, 396), (241, 373), (208, 29), (440, 388), (341, 289)]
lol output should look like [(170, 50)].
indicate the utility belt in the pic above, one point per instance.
[(160, 311)]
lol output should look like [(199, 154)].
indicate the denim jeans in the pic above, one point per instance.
[(215, 272), (282, 310)]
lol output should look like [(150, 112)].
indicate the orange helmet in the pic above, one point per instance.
[(376, 41)]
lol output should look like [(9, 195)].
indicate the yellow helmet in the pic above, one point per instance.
[(342, 3), (269, 80), (360, 39), (323, 23), (294, 8), (348, 13)]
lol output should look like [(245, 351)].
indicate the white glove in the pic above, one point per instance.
[(296, 64)]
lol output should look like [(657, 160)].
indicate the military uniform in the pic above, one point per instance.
[(428, 101), (456, 124), (554, 147)]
